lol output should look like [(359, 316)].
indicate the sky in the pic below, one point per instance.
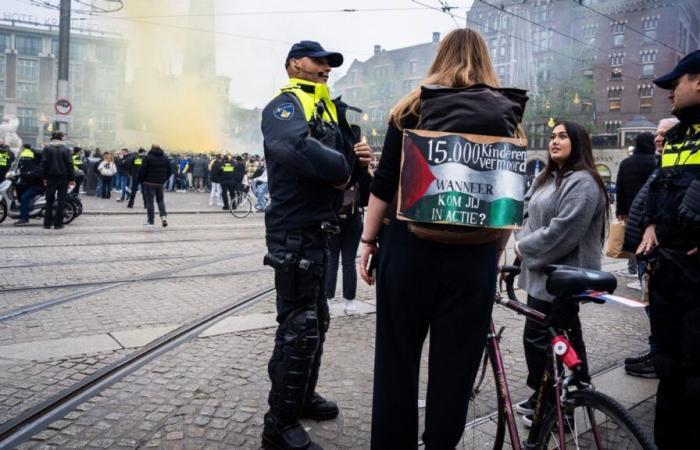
[(251, 47)]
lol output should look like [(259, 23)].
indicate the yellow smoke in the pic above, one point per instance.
[(180, 111)]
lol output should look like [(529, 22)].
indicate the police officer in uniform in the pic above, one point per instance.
[(226, 175), (134, 170), (311, 156), (78, 168), (671, 222), (30, 181), (57, 170), (6, 160)]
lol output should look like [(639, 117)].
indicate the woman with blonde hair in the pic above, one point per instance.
[(424, 285)]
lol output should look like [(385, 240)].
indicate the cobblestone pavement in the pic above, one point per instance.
[(210, 392)]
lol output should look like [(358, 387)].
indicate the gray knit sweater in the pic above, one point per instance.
[(562, 226)]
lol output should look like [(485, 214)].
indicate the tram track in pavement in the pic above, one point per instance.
[(128, 281), (100, 261), (131, 229), (35, 419), (112, 285), (113, 243)]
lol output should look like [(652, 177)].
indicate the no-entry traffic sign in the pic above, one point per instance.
[(63, 106)]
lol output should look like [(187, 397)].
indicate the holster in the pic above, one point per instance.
[(294, 274)]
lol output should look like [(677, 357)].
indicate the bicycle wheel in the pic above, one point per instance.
[(599, 423), (484, 429), (242, 207)]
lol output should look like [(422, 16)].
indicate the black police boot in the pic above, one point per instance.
[(276, 436), (318, 408)]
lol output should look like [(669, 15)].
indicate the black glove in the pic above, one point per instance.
[(564, 314)]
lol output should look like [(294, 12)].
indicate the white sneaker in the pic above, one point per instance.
[(164, 221), (148, 225), (635, 285), (350, 306)]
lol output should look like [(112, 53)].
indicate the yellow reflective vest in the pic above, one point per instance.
[(685, 153), (309, 94)]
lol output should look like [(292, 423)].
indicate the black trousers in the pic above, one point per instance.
[(344, 244), (56, 190), (134, 188), (674, 299), (228, 190), (151, 192), (106, 187), (303, 317), (536, 343), (425, 287)]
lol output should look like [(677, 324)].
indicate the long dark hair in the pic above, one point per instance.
[(581, 158)]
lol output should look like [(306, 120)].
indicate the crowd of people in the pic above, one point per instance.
[(224, 177)]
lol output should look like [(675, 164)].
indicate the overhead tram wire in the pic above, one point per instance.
[(267, 13), (448, 9), (534, 22), (481, 24), (641, 33)]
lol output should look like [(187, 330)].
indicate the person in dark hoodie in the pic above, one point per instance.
[(57, 168), (154, 172)]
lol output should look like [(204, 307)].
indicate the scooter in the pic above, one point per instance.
[(9, 204)]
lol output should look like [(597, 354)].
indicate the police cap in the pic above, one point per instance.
[(689, 64), (313, 49)]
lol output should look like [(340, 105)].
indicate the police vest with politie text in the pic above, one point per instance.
[(227, 170), (6, 159), (308, 148), (29, 167), (674, 200)]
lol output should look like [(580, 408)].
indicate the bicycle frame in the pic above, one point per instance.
[(551, 380)]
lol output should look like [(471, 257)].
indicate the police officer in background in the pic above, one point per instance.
[(134, 170), (30, 182), (671, 221), (6, 159), (311, 155), (226, 175), (78, 168), (57, 168)]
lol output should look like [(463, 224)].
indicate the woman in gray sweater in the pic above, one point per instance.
[(566, 211)]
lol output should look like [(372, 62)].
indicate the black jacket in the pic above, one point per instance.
[(633, 173), (57, 161), (123, 165), (155, 168), (30, 173), (134, 167), (301, 169), (215, 172)]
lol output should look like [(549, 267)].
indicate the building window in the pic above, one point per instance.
[(2, 89), (105, 122), (615, 92), (353, 76), (617, 59), (503, 72), (614, 105), (28, 92), (75, 74), (28, 46), (2, 68), (4, 41), (413, 67), (78, 50), (611, 126), (27, 118), (682, 38), (618, 32), (646, 97), (108, 54), (647, 58), (27, 69), (54, 47), (589, 32), (616, 73), (541, 40), (649, 25)]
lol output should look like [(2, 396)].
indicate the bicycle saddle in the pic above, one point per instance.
[(565, 281)]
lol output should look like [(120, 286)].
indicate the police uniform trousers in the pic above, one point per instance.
[(446, 291), (303, 317), (674, 299), (134, 188), (56, 190), (228, 192)]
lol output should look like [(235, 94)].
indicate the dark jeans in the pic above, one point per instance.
[(151, 191), (536, 341), (425, 287), (674, 294), (345, 243), (106, 189), (134, 189), (56, 189), (228, 190), (641, 268), (26, 197)]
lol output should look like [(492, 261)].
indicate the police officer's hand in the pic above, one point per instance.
[(364, 154), (367, 250), (649, 240)]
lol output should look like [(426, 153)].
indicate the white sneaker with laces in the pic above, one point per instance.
[(148, 225)]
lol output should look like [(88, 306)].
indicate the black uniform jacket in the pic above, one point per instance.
[(302, 170)]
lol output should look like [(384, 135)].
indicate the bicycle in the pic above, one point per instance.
[(564, 417), (243, 202)]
